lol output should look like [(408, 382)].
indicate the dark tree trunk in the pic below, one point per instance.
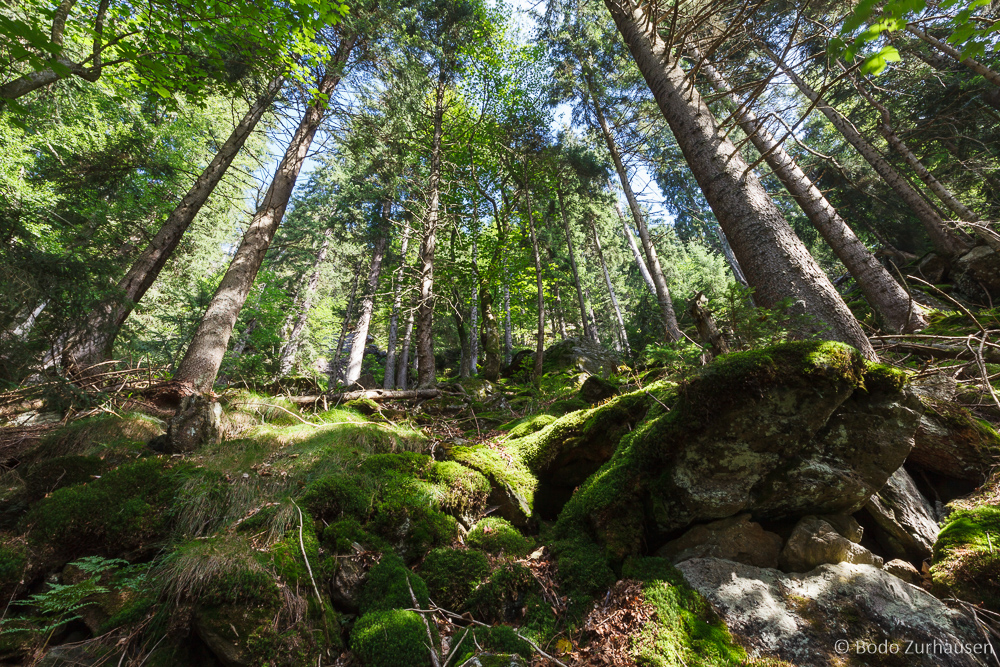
[(204, 356), (93, 343), (404, 360), (540, 333), (775, 261)]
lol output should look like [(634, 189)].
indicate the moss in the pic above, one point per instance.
[(464, 490), (126, 509), (407, 463), (388, 587), (108, 436), (286, 554), (498, 469), (495, 536), (391, 638), (404, 515), (49, 475), (528, 425), (338, 495), (452, 575), (133, 612), (502, 596), (966, 559), (13, 560), (684, 627), (568, 405), (503, 639), (364, 406), (339, 537), (884, 378), (584, 567)]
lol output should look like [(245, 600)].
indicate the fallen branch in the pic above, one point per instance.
[(374, 395), (943, 351), (278, 407), (302, 545)]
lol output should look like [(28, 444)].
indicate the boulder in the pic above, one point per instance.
[(977, 272), (815, 542), (595, 389), (834, 615), (905, 520), (227, 630), (581, 354), (736, 538), (198, 422), (953, 443), (795, 429), (905, 571), (349, 580), (86, 654), (932, 267), (846, 525)]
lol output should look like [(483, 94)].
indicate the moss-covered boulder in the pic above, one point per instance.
[(953, 443), (798, 428), (581, 354), (496, 536), (391, 638), (452, 575), (967, 552)]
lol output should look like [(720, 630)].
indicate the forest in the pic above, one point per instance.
[(496, 333)]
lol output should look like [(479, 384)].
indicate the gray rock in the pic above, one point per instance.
[(808, 619), (905, 520), (951, 442), (79, 655), (977, 271), (815, 542), (736, 538), (903, 570), (846, 525), (594, 389), (350, 578), (581, 354), (198, 422)]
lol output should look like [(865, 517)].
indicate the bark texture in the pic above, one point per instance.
[(397, 303), (589, 330), (367, 305), (301, 314), (885, 295), (93, 343), (204, 356), (775, 261), (622, 333)]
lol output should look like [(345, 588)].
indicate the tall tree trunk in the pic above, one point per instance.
[(204, 356), (508, 339), (944, 47), (404, 360), (576, 274), (458, 314), (671, 331), (335, 367), (776, 262), (540, 333), (474, 310), (945, 242), (622, 334), (881, 290), (639, 261), (301, 312), (593, 320), (360, 341), (397, 303), (559, 312), (425, 307), (93, 343)]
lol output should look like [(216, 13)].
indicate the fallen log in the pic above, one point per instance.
[(990, 355), (371, 394)]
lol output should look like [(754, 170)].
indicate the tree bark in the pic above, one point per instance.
[(540, 333), (397, 303), (593, 320), (705, 324), (425, 307), (639, 261), (301, 312), (360, 341), (622, 333), (945, 242), (404, 361), (508, 339), (94, 342), (881, 290), (204, 355), (671, 331), (775, 261), (734, 264), (474, 310), (589, 330)]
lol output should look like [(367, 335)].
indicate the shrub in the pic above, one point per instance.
[(452, 574), (495, 535), (391, 638)]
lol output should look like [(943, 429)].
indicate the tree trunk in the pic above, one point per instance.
[(727, 250), (671, 331), (301, 312), (881, 290), (945, 47), (540, 334), (425, 307), (204, 356), (776, 262), (404, 361), (474, 311), (508, 340), (945, 242), (360, 341), (559, 312), (705, 324), (335, 367), (593, 320), (94, 342), (639, 261), (397, 303), (576, 274), (622, 334)]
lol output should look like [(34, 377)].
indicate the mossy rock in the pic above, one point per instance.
[(566, 406), (464, 490), (13, 565), (389, 585), (496, 535), (47, 476), (365, 406), (452, 574), (126, 510), (528, 425), (966, 560), (501, 646), (109, 436), (951, 442), (502, 597), (339, 495), (391, 638)]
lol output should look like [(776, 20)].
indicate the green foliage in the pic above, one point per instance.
[(126, 509), (495, 535), (13, 559), (452, 574), (749, 327), (391, 638)]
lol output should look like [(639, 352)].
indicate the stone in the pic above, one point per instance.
[(977, 273), (932, 267), (816, 619), (595, 390), (226, 631), (198, 422), (496, 660), (350, 578), (951, 442), (846, 525), (815, 542), (736, 538), (85, 654), (581, 354), (905, 520), (905, 571)]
